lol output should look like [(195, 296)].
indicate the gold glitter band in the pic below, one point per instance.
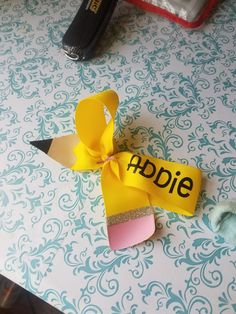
[(132, 214)]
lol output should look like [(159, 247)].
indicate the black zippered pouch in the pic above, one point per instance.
[(81, 38)]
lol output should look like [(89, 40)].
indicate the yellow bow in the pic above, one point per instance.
[(131, 183)]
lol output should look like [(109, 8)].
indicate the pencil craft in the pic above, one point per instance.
[(142, 181)]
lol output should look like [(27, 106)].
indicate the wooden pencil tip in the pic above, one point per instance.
[(43, 145)]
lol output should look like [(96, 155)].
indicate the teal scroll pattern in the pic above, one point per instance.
[(177, 92)]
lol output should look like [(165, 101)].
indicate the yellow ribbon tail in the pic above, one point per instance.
[(130, 217), (170, 185)]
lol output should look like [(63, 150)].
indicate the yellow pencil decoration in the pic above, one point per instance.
[(132, 184)]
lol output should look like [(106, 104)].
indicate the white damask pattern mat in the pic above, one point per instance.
[(177, 92)]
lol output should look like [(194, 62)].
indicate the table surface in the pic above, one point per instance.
[(177, 92)]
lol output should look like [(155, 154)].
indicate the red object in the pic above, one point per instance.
[(174, 18)]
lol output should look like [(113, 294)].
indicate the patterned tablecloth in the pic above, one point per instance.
[(177, 92)]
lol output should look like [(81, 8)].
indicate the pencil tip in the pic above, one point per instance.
[(43, 145)]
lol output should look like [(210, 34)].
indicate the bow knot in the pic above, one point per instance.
[(105, 159)]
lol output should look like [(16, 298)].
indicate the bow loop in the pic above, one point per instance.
[(96, 135)]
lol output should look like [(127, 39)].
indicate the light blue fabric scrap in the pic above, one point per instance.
[(223, 220)]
